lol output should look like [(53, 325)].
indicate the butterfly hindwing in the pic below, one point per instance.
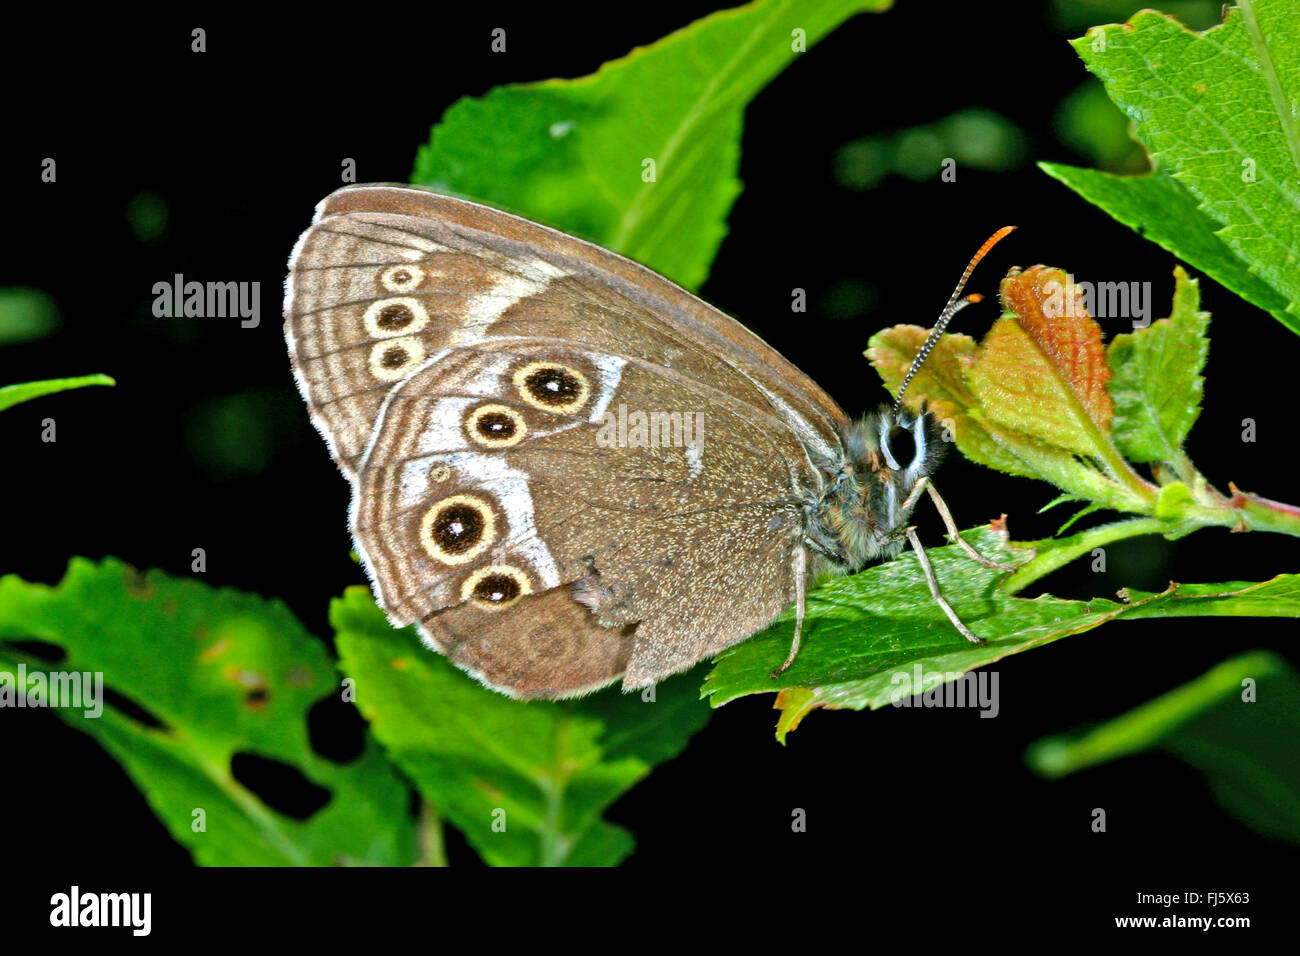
[(657, 525), (543, 645)]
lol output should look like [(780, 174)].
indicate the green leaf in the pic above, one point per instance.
[(1158, 208), (1157, 386), (525, 782), (1277, 597), (1078, 515), (1244, 747), (11, 395), (571, 152), (1058, 500), (866, 637), (864, 634), (1219, 113), (225, 673)]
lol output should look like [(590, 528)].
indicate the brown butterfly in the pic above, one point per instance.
[(498, 395)]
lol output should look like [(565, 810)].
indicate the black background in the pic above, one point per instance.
[(927, 808)]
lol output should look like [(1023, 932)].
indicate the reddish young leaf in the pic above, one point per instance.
[(1041, 371)]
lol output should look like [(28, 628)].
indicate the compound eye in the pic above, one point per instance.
[(901, 447)]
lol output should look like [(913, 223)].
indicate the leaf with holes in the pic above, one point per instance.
[(654, 136), (223, 674), (525, 782)]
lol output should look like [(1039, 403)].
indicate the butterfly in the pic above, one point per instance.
[(467, 369)]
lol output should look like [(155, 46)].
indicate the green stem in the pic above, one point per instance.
[(1062, 552), (1123, 472), (1186, 471), (1264, 514), (1242, 511)]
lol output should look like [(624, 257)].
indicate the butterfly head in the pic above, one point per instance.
[(862, 513)]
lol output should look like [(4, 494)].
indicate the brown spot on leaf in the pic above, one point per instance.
[(215, 651), (137, 585), (486, 788)]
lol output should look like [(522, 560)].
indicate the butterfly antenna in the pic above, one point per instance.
[(956, 302)]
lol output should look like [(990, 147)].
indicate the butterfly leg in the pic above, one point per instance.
[(942, 507), (934, 588), (800, 568)]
